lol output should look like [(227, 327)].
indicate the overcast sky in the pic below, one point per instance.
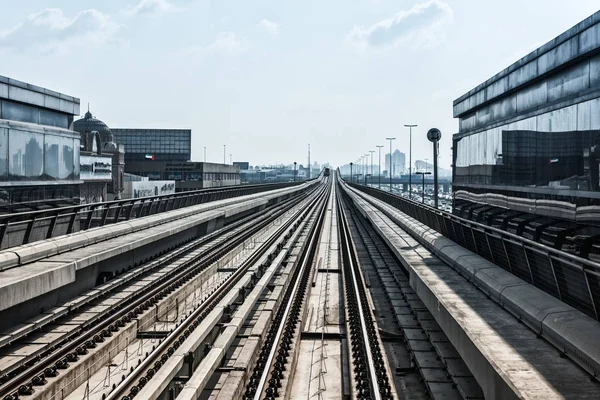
[(268, 77)]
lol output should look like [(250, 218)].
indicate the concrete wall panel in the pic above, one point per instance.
[(526, 73), (66, 106), (484, 116), (584, 117), (51, 102), (564, 119), (595, 71), (595, 114), (478, 98), (504, 108), (528, 124), (467, 123), (559, 55), (25, 96), (569, 82), (3, 90), (532, 97), (497, 88), (589, 39)]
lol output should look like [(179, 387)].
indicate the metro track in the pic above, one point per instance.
[(24, 377), (139, 383)]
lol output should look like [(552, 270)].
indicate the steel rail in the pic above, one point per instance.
[(71, 343), (349, 257), (142, 372), (308, 256), (161, 261)]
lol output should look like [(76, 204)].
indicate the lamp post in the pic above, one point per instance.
[(434, 135), (204, 153), (423, 175), (351, 176), (379, 147), (224, 151), (366, 156), (389, 171), (410, 126), (371, 151), (294, 171)]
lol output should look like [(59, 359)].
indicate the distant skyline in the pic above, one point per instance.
[(266, 77)]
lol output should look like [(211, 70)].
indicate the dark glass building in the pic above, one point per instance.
[(39, 154), (529, 137), (163, 144)]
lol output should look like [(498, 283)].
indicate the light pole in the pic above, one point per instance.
[(351, 176), (224, 148), (389, 171), (379, 147), (366, 156), (409, 126), (371, 151), (204, 153), (294, 171), (434, 135), (423, 175)]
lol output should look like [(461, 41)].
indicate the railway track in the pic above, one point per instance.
[(27, 375), (426, 363), (273, 371), (370, 372)]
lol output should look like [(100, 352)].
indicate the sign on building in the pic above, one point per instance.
[(95, 168), (136, 189)]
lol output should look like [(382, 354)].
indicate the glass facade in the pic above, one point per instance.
[(555, 150), (27, 156), (165, 144)]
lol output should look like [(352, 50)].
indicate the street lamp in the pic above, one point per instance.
[(204, 153), (366, 156), (224, 148), (423, 175), (371, 151), (389, 171), (409, 126), (434, 135), (379, 147), (351, 176), (294, 171)]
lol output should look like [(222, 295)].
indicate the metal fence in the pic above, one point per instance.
[(572, 279), (22, 228)]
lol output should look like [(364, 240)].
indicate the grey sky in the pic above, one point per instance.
[(268, 77)]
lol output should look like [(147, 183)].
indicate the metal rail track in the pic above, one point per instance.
[(102, 291), (33, 370), (445, 376), (135, 381), (275, 350), (371, 379)]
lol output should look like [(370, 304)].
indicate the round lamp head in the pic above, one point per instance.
[(434, 135)]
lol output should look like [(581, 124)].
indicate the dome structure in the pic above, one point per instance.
[(88, 124)]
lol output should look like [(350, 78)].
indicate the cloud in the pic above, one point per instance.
[(52, 30), (228, 42), (420, 27), (270, 26), (151, 8)]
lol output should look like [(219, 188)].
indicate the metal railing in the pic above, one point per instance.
[(572, 279), (25, 227)]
